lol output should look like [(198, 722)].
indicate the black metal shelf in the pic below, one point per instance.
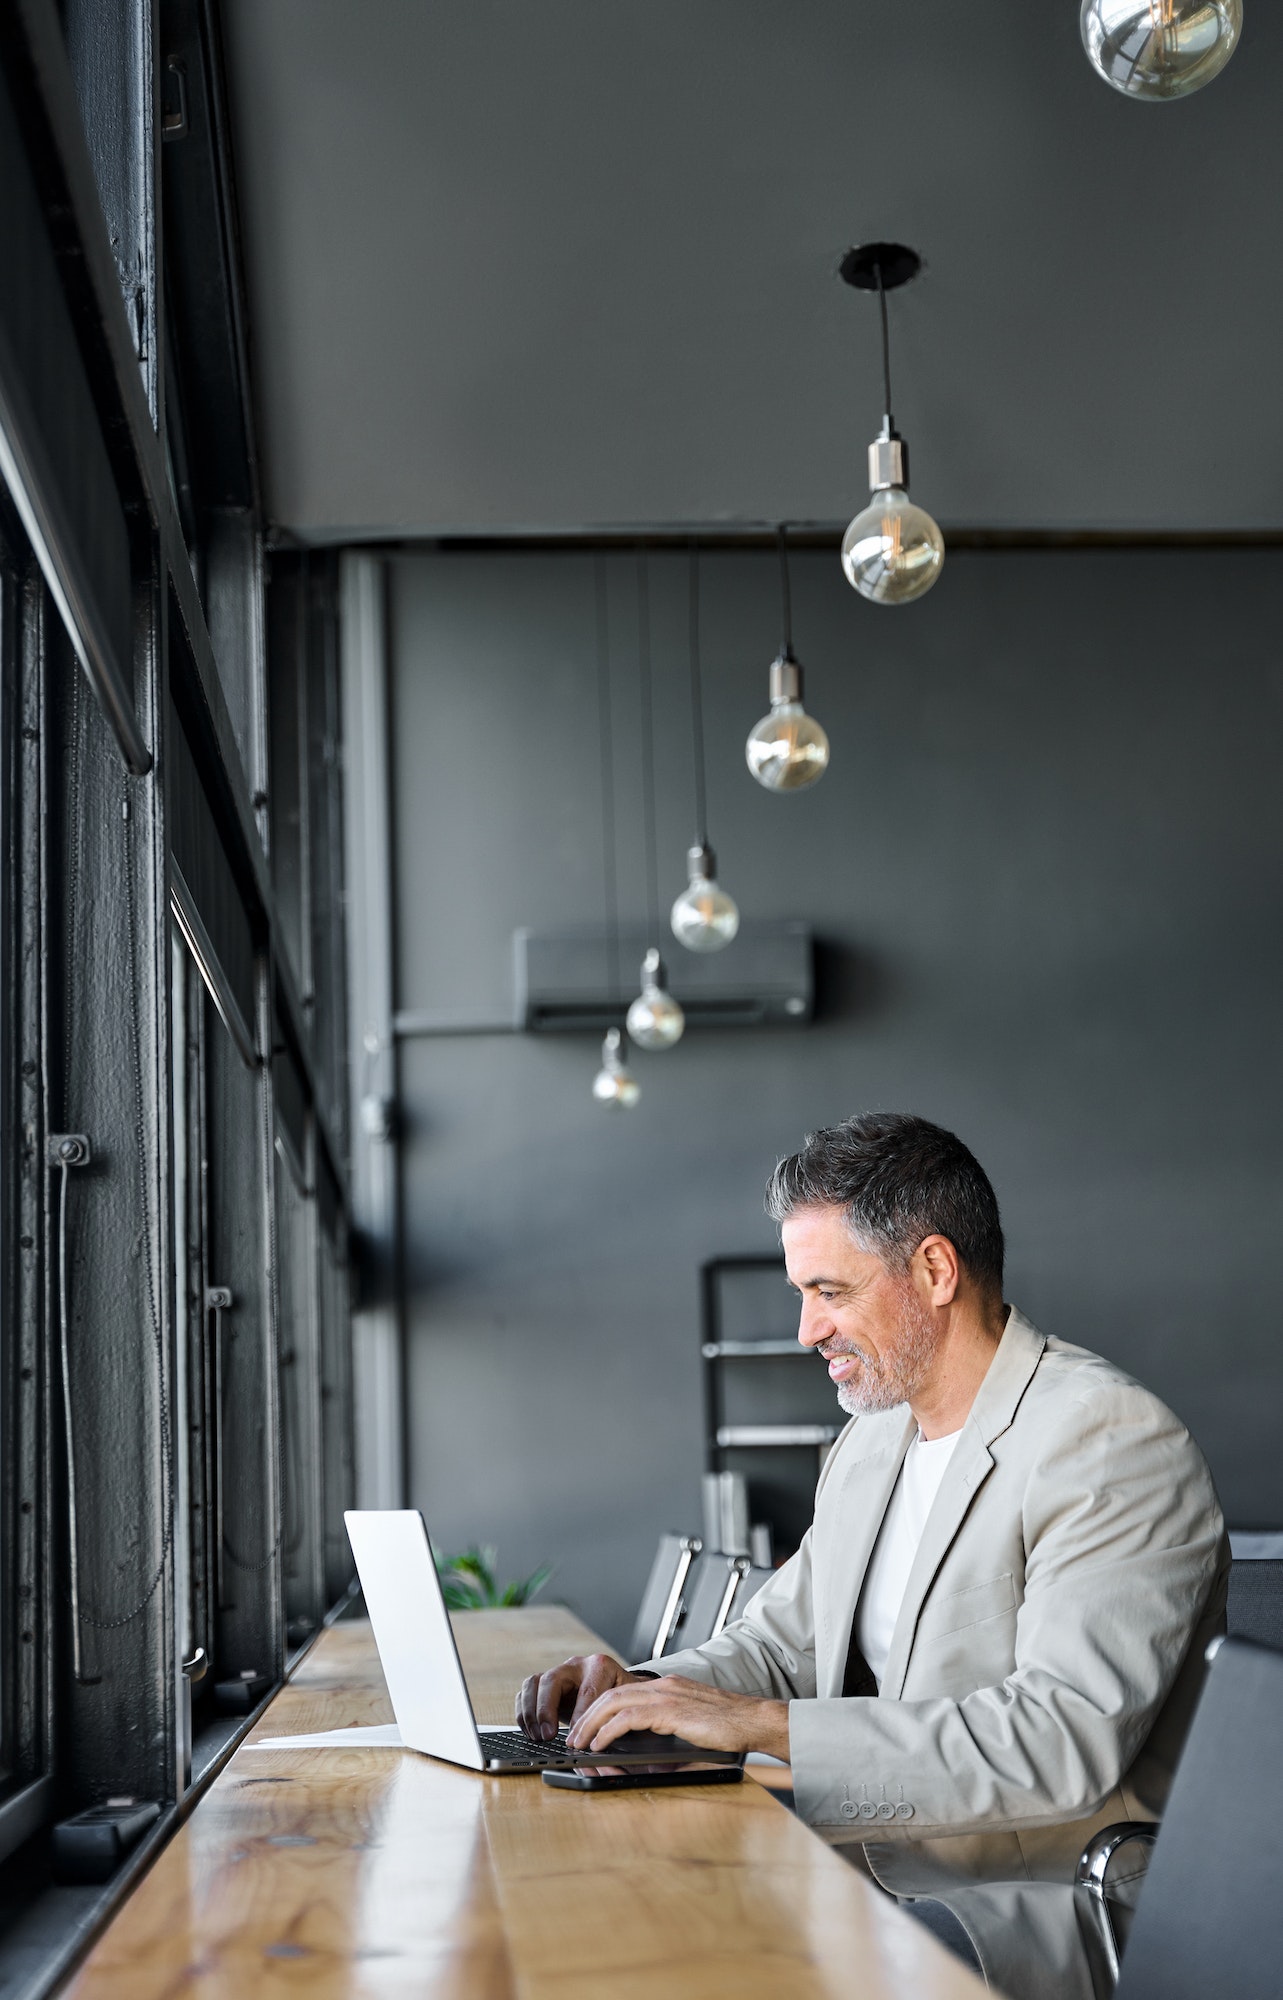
[(768, 1422)]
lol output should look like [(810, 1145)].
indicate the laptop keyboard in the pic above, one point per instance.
[(514, 1747)]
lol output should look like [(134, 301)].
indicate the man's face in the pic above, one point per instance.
[(872, 1325)]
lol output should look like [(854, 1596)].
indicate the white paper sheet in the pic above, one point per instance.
[(363, 1736)]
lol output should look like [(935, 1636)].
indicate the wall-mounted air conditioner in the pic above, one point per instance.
[(763, 979)]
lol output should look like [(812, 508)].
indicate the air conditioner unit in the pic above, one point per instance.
[(566, 978)]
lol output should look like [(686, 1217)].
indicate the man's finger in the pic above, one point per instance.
[(617, 1719), (525, 1704), (628, 1697), (553, 1689), (600, 1675)]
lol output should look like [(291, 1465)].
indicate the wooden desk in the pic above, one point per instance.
[(374, 1874)]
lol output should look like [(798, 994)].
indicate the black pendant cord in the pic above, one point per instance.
[(647, 744), (786, 595), (886, 354), (610, 879), (697, 705)]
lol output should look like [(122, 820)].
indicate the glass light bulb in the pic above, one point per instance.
[(613, 1086), (893, 551), (655, 1019), (704, 918), (1160, 48), (787, 750)]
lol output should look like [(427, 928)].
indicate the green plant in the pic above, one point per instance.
[(469, 1583)]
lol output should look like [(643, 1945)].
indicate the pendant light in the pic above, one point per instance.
[(655, 1019), (893, 551), (703, 918), (613, 1086), (1157, 49), (787, 750)]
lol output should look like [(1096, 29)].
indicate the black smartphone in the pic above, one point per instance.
[(589, 1780)]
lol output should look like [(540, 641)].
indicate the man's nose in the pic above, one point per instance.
[(814, 1325)]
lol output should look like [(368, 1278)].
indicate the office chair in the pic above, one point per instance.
[(1255, 1608), (717, 1590), (664, 1598), (1210, 1915)]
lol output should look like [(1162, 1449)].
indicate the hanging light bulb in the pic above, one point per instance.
[(1160, 48), (893, 551), (613, 1085), (704, 918), (787, 750), (655, 1019)]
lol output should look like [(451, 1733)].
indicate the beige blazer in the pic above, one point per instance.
[(1050, 1645)]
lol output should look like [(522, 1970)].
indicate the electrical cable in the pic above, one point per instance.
[(786, 595), (886, 350), (697, 704), (609, 871), (647, 744)]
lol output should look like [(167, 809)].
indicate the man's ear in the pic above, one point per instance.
[(940, 1269)]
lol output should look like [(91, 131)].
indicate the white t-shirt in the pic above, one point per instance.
[(897, 1545)]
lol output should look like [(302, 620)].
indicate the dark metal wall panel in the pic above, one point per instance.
[(231, 564), (24, 1527), (109, 1043), (111, 54), (54, 441), (325, 847), (248, 1622), (201, 260), (198, 849), (287, 779), (338, 1476), (302, 1575)]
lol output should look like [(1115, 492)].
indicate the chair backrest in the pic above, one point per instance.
[(1255, 1608), (717, 1590), (663, 1599), (1210, 1918)]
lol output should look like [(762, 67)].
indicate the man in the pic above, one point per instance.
[(991, 1640)]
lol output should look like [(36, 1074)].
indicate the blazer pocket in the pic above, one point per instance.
[(958, 1609)]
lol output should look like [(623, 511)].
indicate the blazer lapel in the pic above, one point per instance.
[(1010, 1373), (868, 1480)]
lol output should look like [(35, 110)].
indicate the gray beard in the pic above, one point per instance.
[(893, 1378)]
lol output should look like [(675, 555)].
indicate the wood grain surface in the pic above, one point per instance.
[(369, 1874)]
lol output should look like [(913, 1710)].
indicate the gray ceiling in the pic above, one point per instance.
[(571, 265)]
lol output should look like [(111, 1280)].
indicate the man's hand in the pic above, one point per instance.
[(674, 1706), (567, 1690)]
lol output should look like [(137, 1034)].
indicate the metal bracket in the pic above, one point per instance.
[(67, 1149), (175, 120), (218, 1299)]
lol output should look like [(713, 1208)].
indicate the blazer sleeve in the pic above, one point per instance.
[(769, 1651), (1123, 1537)]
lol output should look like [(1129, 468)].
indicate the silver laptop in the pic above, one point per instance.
[(420, 1661)]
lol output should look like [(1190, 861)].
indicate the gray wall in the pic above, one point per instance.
[(1045, 864)]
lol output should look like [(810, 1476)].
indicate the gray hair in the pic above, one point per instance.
[(899, 1179)]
